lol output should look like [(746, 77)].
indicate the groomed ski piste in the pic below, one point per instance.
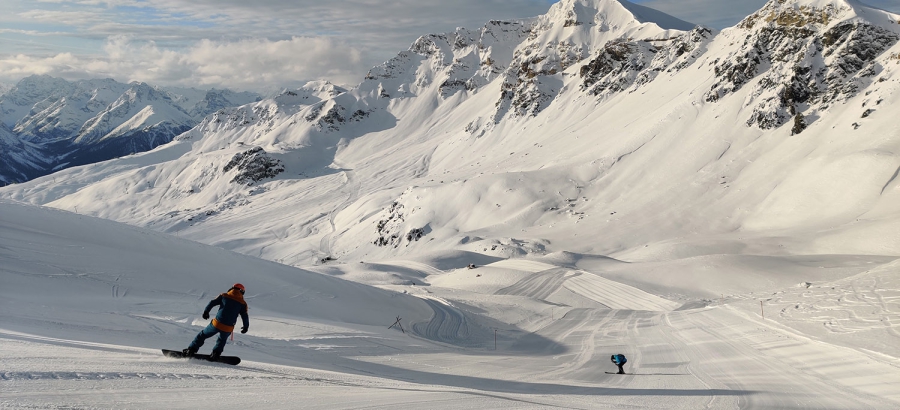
[(87, 304)]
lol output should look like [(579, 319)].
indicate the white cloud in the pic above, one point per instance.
[(228, 43), (22, 65), (374, 24), (265, 43), (244, 64)]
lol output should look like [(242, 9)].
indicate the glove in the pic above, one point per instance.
[(244, 329), (205, 315)]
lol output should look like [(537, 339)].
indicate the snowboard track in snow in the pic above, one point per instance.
[(10, 376), (447, 325)]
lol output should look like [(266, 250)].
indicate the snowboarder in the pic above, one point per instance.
[(231, 304), (619, 360)]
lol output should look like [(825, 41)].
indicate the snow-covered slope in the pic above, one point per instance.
[(585, 130), (585, 120), (600, 179), (88, 304)]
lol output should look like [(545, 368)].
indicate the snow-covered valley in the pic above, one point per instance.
[(84, 317), (530, 198)]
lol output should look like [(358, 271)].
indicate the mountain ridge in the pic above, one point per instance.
[(770, 137), (85, 121)]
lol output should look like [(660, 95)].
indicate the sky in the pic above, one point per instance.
[(266, 44)]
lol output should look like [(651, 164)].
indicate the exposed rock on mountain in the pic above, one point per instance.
[(574, 30), (253, 166), (631, 131), (388, 228), (809, 54), (623, 64), (392, 228)]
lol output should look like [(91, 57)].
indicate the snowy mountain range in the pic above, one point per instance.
[(57, 124), (524, 199), (601, 119)]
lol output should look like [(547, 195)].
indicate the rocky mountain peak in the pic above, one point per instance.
[(59, 123), (591, 99), (816, 14), (814, 52), (572, 32), (797, 13), (140, 91)]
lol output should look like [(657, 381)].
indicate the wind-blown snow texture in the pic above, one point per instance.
[(618, 180)]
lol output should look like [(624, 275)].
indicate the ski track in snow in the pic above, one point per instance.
[(352, 185), (447, 325), (616, 295), (708, 358), (542, 285), (89, 337)]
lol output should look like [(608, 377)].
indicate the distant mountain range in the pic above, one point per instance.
[(600, 127), (50, 124)]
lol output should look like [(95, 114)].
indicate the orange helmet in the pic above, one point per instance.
[(239, 287)]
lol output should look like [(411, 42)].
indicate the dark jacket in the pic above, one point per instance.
[(231, 304)]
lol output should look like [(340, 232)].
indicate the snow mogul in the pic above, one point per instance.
[(231, 305)]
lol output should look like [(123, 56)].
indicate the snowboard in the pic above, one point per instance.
[(232, 360), (614, 373)]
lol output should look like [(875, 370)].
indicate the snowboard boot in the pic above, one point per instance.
[(189, 352), (214, 356)]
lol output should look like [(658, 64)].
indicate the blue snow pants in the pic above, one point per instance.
[(207, 333)]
